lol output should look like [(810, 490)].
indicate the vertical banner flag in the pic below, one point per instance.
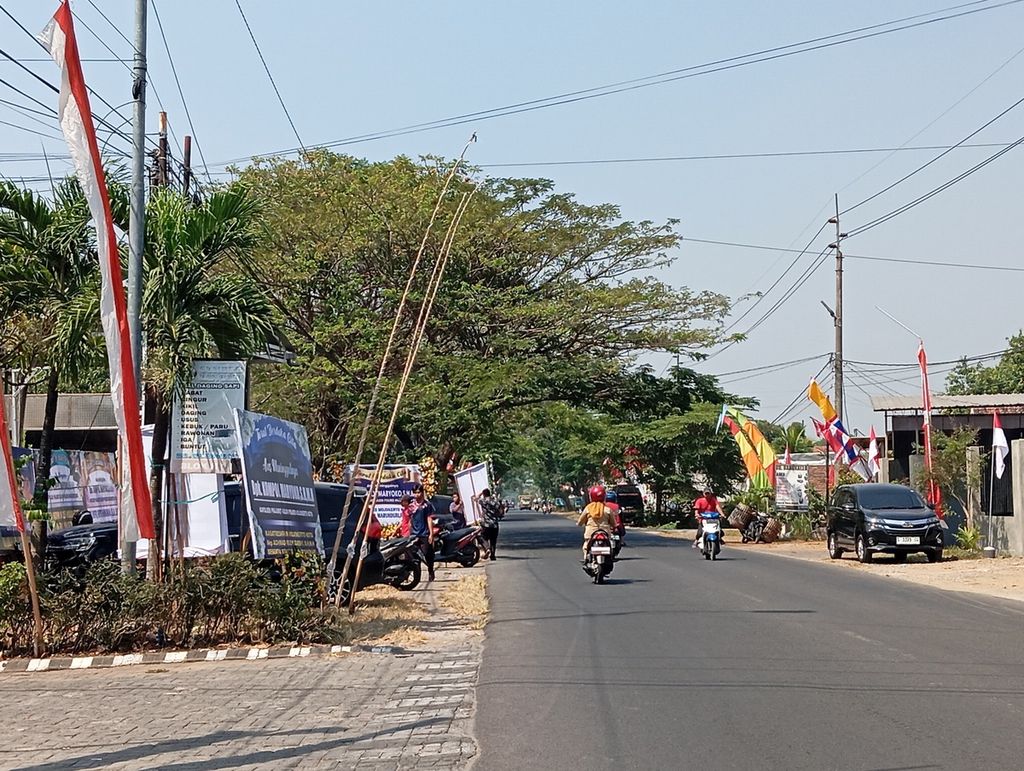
[(934, 494), (787, 459), (10, 504), (76, 123), (873, 455), (762, 446), (755, 470), (1000, 447)]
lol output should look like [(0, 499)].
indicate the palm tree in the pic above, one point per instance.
[(49, 274), (194, 304), (796, 438)]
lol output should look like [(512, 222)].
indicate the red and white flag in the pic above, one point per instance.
[(873, 455), (934, 493), (1000, 447), (787, 459), (10, 505), (76, 122)]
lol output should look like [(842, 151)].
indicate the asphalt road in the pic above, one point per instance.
[(755, 661)]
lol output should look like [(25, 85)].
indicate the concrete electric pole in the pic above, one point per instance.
[(838, 315), (137, 222)]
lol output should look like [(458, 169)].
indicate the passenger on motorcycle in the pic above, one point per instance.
[(596, 516), (704, 504), (611, 501)]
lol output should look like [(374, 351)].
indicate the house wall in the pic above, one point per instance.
[(1007, 532)]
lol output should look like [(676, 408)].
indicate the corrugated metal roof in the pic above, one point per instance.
[(969, 403), (75, 412)]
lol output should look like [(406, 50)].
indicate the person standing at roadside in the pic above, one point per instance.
[(405, 528), (422, 526), (458, 511), (490, 515)]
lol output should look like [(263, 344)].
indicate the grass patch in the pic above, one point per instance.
[(468, 599), (957, 553), (384, 616)]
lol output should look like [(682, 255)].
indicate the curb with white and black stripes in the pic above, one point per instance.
[(179, 657)]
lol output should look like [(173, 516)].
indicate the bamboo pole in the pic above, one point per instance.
[(375, 393), (414, 345)]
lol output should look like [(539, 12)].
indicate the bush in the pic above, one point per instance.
[(969, 538), (228, 599)]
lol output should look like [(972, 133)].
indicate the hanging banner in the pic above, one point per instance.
[(396, 481), (277, 473), (203, 439), (471, 482), (791, 488), (83, 481)]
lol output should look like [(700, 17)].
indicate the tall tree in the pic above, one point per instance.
[(49, 279), (1004, 377), (546, 299), (194, 304)]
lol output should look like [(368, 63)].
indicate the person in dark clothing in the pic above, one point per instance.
[(490, 514), (422, 526)]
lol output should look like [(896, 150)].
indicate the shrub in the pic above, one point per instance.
[(228, 599), (969, 538)]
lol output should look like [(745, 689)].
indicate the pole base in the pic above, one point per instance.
[(989, 552)]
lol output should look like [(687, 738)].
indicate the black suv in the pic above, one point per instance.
[(891, 519)]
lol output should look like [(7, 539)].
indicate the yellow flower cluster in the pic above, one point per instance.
[(428, 476)]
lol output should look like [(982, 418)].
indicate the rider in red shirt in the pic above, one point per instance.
[(707, 502)]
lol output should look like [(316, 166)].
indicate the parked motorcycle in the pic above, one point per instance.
[(600, 560), (462, 546), (759, 528), (711, 536), (396, 562)]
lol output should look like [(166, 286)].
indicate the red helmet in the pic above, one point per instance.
[(597, 493)]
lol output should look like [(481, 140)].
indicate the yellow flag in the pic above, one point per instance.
[(816, 395)]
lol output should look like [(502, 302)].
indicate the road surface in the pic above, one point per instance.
[(755, 661)]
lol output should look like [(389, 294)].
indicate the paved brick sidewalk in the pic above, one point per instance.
[(374, 711)]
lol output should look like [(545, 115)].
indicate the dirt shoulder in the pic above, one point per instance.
[(1000, 577)]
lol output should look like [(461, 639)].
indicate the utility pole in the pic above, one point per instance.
[(838, 315), (137, 225), (186, 162)]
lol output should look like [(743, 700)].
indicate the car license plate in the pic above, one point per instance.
[(908, 540), (601, 550)]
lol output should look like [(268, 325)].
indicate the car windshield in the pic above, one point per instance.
[(890, 498)]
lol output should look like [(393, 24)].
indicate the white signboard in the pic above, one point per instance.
[(203, 439), (471, 482), (791, 487)]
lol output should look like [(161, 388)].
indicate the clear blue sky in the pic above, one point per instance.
[(346, 69)]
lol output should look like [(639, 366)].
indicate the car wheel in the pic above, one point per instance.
[(862, 548), (935, 555), (899, 557), (833, 546)]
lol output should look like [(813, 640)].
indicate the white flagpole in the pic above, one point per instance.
[(991, 492)]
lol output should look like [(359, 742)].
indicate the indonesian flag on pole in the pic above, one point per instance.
[(1000, 447), (873, 455), (934, 493), (76, 122), (10, 505), (787, 459)]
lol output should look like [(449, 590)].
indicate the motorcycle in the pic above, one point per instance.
[(761, 528), (600, 560), (462, 546), (711, 537), (396, 562)]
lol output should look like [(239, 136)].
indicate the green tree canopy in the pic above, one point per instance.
[(1004, 377), (546, 299)]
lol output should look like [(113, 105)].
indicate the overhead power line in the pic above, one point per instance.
[(742, 156), (707, 68), (872, 258), (270, 76)]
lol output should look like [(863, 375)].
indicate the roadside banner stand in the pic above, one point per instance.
[(471, 482), (277, 475), (396, 481)]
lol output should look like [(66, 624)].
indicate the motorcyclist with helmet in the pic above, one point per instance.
[(596, 516)]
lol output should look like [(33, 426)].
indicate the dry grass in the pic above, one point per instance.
[(384, 616), (468, 599)]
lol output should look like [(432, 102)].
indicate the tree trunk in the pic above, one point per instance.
[(46, 440), (657, 503), (161, 426)]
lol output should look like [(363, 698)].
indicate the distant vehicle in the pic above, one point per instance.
[(883, 518), (631, 503), (525, 502)]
